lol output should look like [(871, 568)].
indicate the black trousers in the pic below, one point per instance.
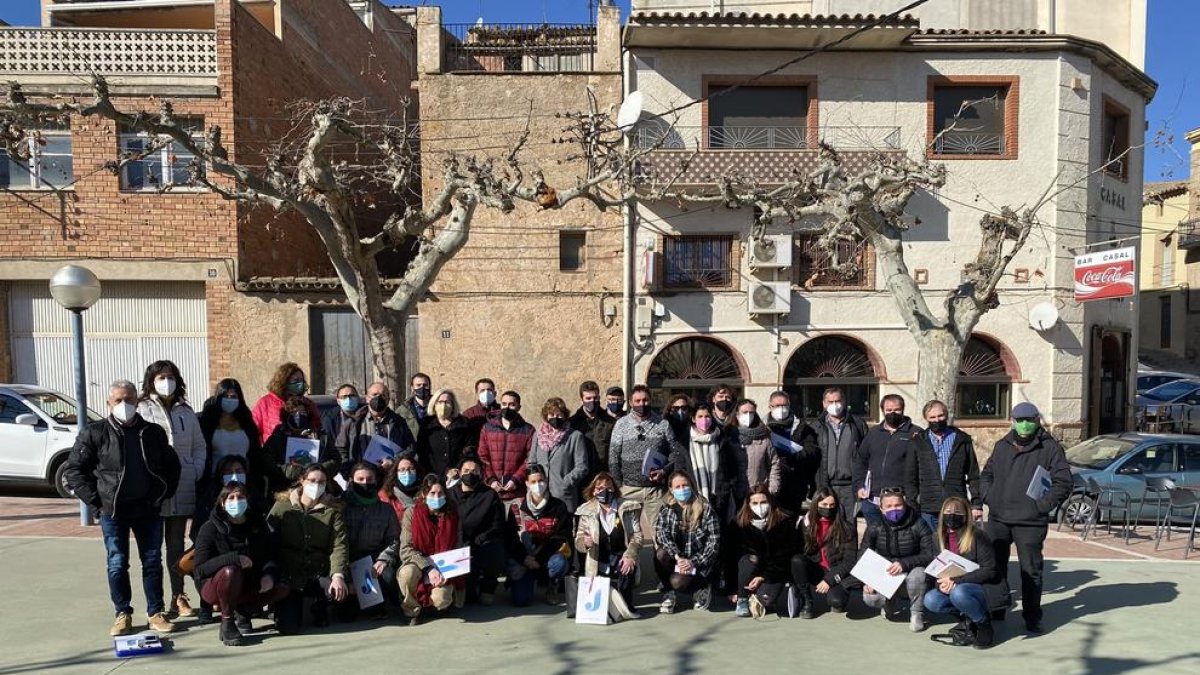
[(664, 566), (289, 610), (487, 564), (1030, 540), (807, 574)]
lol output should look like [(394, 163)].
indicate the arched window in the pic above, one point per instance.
[(832, 361), (984, 383), (692, 366)]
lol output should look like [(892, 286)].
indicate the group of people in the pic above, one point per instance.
[(757, 507)]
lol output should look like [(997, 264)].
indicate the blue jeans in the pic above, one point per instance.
[(968, 599), (871, 512), (523, 589), (147, 528)]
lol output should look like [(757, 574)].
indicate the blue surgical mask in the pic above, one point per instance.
[(435, 502), (236, 508), (682, 495), (230, 404), (234, 478), (615, 408), (348, 404), (407, 478)]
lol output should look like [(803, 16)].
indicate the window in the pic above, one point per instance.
[(1167, 268), (572, 250), (692, 366), (157, 163), (832, 361), (971, 120), (46, 164), (10, 408), (849, 265), (984, 383), (1164, 321), (770, 117), (562, 62), (1191, 459), (1156, 459), (698, 262), (1114, 134)]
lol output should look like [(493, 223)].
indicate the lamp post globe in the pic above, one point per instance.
[(75, 288)]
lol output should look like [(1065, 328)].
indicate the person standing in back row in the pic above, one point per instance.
[(942, 464), (596, 425), (504, 447), (634, 436), (883, 455), (484, 409), (839, 434), (1013, 516)]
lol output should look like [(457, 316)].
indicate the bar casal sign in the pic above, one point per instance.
[(1105, 274)]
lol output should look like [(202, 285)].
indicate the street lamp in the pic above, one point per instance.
[(76, 289)]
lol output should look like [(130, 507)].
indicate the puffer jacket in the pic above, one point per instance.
[(909, 542), (311, 542), (566, 464), (187, 438), (629, 515), (505, 454), (96, 466), (370, 528)]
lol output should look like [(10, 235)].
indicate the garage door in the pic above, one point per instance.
[(132, 325)]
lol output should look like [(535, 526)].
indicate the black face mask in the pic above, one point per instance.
[(421, 394), (680, 415), (510, 414), (724, 406), (471, 480), (826, 513), (938, 427), (378, 404), (364, 489), (604, 497), (954, 521), (556, 422), (894, 419)]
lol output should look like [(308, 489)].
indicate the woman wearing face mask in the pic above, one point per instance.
[(164, 402), (756, 455), (288, 381), (687, 538), (231, 469), (312, 547), (482, 521), (678, 414), (443, 435), (371, 532), (963, 595), (541, 549), (562, 451), (768, 540), (400, 486), (229, 429), (609, 534), (430, 527), (295, 423), (904, 538), (234, 565), (830, 549)]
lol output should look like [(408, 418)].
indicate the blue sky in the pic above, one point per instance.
[(1171, 29)]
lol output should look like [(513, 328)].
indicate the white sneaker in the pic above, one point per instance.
[(668, 603), (702, 599)]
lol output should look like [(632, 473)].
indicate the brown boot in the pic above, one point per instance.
[(122, 625), (182, 607), (159, 624)]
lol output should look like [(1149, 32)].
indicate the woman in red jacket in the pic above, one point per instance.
[(288, 381)]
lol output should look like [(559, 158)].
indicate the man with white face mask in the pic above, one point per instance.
[(485, 407), (796, 444), (838, 436), (124, 467)]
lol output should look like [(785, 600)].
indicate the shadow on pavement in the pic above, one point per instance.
[(94, 656), (1095, 600), (1104, 665)]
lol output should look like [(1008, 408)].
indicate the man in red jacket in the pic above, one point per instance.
[(504, 445)]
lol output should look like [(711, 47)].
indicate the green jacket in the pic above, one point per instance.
[(311, 542)]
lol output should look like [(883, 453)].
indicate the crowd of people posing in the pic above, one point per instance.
[(756, 506)]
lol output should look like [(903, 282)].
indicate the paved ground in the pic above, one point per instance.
[(1113, 611)]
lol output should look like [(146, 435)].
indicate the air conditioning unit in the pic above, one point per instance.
[(772, 251), (770, 297)]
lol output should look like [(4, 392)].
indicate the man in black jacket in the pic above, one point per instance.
[(838, 435), (124, 467), (942, 464), (1013, 515), (880, 460), (596, 425), (796, 444)]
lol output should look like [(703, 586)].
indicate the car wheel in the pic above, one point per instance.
[(60, 480), (1076, 511)]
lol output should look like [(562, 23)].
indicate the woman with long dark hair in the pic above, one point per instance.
[(767, 535), (830, 549), (430, 527), (229, 429)]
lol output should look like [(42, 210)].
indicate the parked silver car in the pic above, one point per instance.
[(37, 431), (1173, 407), (1149, 379)]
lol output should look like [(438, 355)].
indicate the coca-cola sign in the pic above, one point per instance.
[(1105, 274)]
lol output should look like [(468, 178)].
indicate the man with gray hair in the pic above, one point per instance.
[(124, 467)]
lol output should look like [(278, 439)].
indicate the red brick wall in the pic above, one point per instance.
[(218, 293)]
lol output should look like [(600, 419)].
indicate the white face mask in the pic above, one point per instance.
[(123, 411), (835, 409), (538, 488), (781, 413), (487, 397), (745, 419), (314, 490), (165, 386), (761, 510)]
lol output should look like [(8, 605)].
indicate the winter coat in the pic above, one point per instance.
[(909, 542), (407, 412), (841, 559), (883, 454), (700, 545), (837, 468), (481, 517), (409, 554), (351, 434), (597, 432), (722, 496), (758, 462), (566, 466), (477, 416), (220, 543), (982, 553), (923, 482), (631, 440), (1007, 475), (773, 547), (629, 515), (799, 459), (540, 536), (311, 542), (440, 448), (370, 528), (96, 467), (282, 474), (268, 414), (505, 454), (186, 437)]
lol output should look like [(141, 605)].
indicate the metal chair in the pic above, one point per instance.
[(1113, 500), (1157, 491), (1182, 499)]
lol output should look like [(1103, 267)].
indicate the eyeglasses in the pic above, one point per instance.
[(892, 492)]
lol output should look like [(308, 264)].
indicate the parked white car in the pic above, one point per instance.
[(37, 431)]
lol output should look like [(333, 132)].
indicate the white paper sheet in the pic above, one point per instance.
[(366, 586), (453, 563), (871, 569), (591, 604), (1039, 485), (380, 449), (307, 449), (947, 560)]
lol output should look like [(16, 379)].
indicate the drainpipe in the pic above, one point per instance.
[(627, 264)]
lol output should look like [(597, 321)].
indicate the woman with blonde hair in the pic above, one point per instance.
[(443, 435), (687, 537), (958, 593), (562, 451)]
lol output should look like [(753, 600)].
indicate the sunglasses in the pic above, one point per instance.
[(892, 492)]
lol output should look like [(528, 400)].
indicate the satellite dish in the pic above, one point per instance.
[(1043, 316), (630, 112)]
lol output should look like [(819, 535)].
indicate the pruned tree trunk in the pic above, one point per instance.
[(939, 352), (385, 333)]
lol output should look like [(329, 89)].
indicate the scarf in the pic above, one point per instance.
[(704, 455), (536, 510), (429, 538), (748, 435), (548, 436), (823, 528), (760, 523)]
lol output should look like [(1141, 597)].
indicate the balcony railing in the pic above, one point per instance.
[(747, 137), (35, 53), (1189, 233), (517, 48), (969, 143)]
